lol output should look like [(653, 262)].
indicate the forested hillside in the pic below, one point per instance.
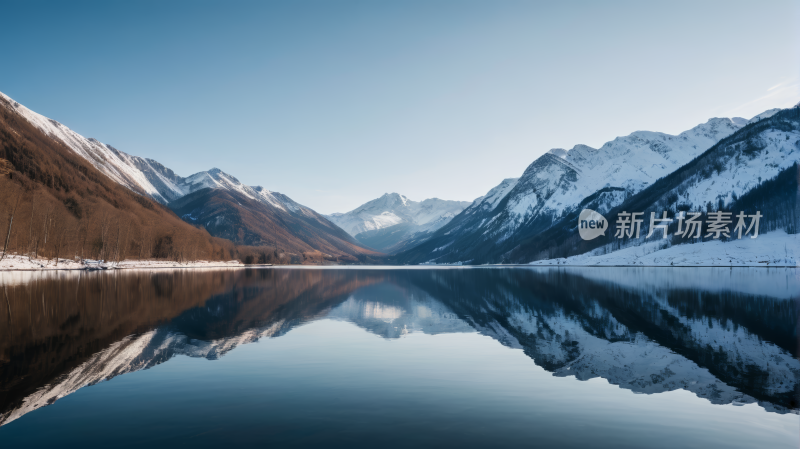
[(53, 203)]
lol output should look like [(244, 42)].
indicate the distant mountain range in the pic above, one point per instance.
[(393, 222)]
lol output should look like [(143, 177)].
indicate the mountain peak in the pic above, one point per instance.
[(740, 121), (766, 114), (391, 209), (388, 199)]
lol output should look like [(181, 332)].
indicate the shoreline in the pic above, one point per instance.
[(22, 263), (382, 267), (15, 262)]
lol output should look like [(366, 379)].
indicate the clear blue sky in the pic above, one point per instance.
[(337, 102)]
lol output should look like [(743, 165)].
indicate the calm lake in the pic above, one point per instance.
[(382, 357)]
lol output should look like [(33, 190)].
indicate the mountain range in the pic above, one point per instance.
[(214, 200), (71, 209), (393, 222), (721, 164), (753, 170), (516, 221)]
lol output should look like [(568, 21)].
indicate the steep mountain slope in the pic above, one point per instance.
[(290, 226), (268, 219), (144, 176), (71, 209), (562, 182), (392, 221), (141, 175), (755, 169)]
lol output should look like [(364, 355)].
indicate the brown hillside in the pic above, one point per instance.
[(58, 205), (231, 215)]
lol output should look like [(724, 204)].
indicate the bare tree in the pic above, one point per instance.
[(60, 238), (193, 249), (47, 223), (145, 243), (105, 226), (115, 254), (124, 244), (10, 223), (83, 228), (30, 225), (139, 239)]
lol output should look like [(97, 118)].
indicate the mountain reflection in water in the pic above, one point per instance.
[(729, 336)]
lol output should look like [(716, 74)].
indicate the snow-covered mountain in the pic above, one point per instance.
[(217, 179), (753, 170), (272, 217), (560, 182), (392, 209), (488, 202), (148, 176), (387, 222), (143, 175)]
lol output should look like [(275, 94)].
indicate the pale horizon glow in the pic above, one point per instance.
[(336, 103)]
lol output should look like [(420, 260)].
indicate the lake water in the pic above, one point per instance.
[(376, 357)]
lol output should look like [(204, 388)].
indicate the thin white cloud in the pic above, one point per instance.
[(776, 86), (783, 95)]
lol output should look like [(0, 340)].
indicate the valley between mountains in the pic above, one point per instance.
[(66, 196)]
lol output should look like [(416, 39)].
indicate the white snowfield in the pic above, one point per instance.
[(774, 249), (393, 209), (16, 262)]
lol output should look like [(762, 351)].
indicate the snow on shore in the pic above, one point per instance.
[(775, 249), (14, 262)]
